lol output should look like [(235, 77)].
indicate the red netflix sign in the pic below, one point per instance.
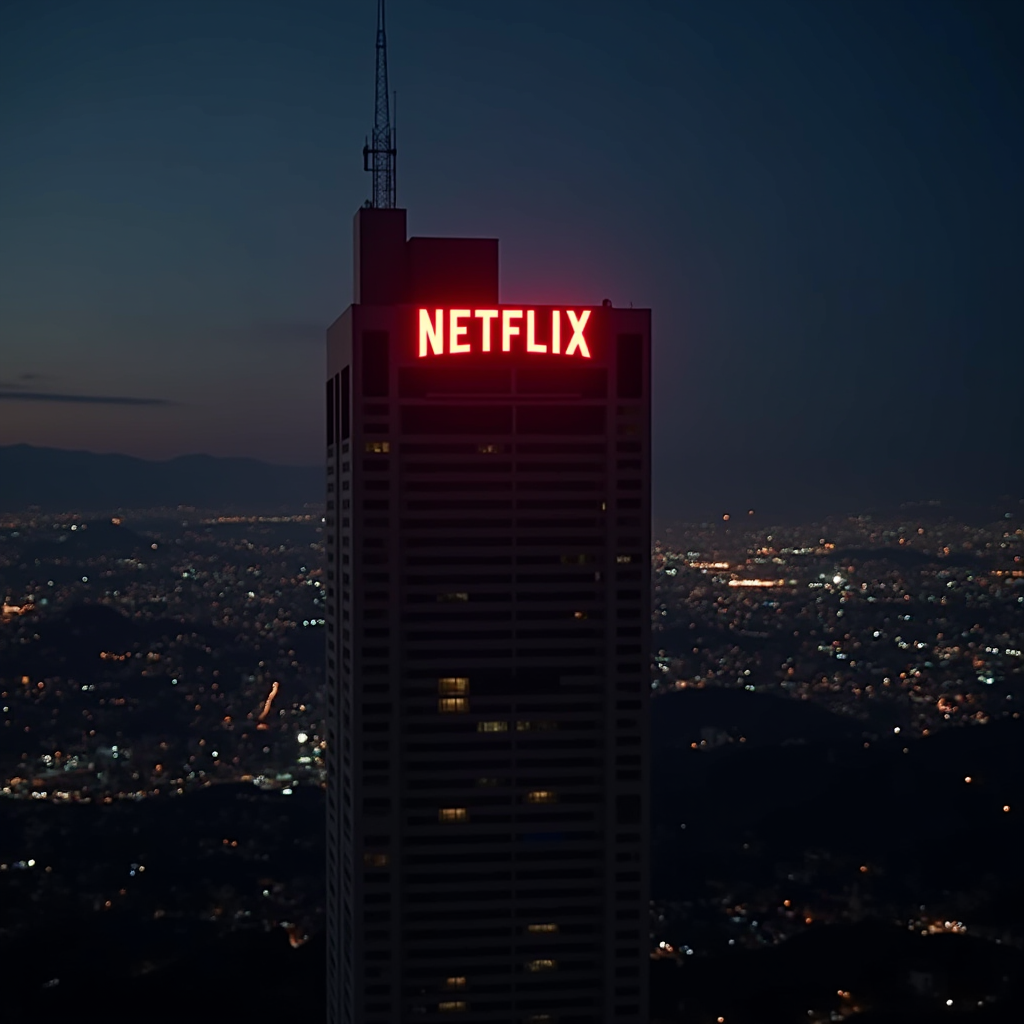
[(555, 332)]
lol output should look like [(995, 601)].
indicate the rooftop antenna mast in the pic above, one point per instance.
[(379, 153)]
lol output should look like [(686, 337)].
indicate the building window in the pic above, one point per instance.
[(452, 705), (453, 598), (346, 407), (541, 965), (375, 859), (553, 419), (457, 419), (627, 809), (456, 981), (541, 796), (332, 386), (489, 449), (630, 366), (447, 814), (453, 685), (543, 928), (453, 1006), (581, 559), (492, 726), (579, 615), (378, 447), (375, 364), (522, 726)]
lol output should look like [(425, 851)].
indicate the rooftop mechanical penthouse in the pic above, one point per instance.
[(488, 520)]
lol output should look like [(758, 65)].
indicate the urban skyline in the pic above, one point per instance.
[(835, 721), (743, 748)]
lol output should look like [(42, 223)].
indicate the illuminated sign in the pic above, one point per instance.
[(457, 331)]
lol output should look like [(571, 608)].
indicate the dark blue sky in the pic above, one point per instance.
[(823, 203)]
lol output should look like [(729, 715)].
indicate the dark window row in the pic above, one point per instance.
[(498, 419)]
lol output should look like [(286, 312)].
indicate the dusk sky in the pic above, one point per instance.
[(822, 203)]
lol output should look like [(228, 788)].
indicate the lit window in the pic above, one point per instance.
[(452, 814), (579, 615), (452, 1006), (541, 965), (453, 597), (378, 447), (375, 859), (453, 686), (458, 981), (492, 726), (452, 705), (543, 928), (489, 449), (623, 559), (541, 796)]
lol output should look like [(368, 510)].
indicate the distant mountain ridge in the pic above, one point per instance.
[(55, 479), (60, 480)]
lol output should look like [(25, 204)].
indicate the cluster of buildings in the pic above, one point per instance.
[(909, 626), (161, 655)]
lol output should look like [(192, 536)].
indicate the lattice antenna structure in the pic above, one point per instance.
[(379, 153)]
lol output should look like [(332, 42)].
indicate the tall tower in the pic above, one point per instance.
[(380, 154), (488, 610)]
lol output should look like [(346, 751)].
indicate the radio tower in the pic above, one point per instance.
[(379, 153)]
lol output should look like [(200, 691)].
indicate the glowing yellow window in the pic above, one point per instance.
[(456, 981), (375, 859), (579, 615), (378, 447), (453, 686), (452, 814), (541, 965), (452, 1006), (452, 705), (542, 928), (623, 559), (489, 449), (492, 726), (541, 796)]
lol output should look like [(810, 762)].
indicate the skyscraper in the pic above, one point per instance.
[(488, 540)]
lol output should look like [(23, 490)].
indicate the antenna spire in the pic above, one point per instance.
[(379, 153)]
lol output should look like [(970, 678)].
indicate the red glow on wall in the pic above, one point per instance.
[(459, 331)]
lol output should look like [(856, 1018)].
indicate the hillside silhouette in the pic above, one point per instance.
[(55, 480)]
